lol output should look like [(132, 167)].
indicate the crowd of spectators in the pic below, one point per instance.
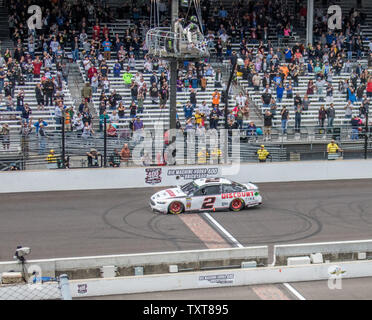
[(80, 31)]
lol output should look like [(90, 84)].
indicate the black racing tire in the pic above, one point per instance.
[(237, 205), (176, 207)]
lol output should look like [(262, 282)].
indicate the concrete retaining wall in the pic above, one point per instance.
[(153, 263), (211, 279), (93, 179), (333, 251)]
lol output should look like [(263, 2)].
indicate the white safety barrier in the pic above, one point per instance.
[(49, 267), (117, 178), (323, 247), (212, 279)]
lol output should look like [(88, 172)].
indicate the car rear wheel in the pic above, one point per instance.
[(175, 207), (236, 205)]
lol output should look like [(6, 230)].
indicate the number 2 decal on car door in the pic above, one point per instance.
[(208, 203)]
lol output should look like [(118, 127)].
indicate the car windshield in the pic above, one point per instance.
[(190, 187), (235, 184)]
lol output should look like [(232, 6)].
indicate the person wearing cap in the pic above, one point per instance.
[(52, 160), (115, 159), (93, 158), (262, 154), (333, 150)]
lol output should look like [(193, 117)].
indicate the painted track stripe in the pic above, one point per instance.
[(211, 238), (294, 291), (223, 230)]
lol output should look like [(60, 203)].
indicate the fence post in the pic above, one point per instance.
[(63, 140), (104, 141), (366, 138), (65, 287)]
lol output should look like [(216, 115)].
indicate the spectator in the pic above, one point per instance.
[(238, 113), (333, 149), (127, 78), (125, 154), (39, 97), (87, 131), (284, 117), (52, 160), (202, 156), (216, 97), (87, 92), (115, 159), (188, 110), (266, 98), (138, 129), (102, 118), (322, 113), (279, 92), (331, 114), (298, 116), (263, 154), (5, 136), (41, 134), (348, 110), (319, 86), (355, 124), (107, 48), (251, 129), (93, 158), (111, 131), (268, 123), (214, 117), (163, 95)]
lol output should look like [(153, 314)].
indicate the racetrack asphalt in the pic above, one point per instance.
[(101, 222)]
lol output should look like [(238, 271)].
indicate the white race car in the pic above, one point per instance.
[(206, 195)]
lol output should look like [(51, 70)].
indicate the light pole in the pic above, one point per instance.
[(63, 139)]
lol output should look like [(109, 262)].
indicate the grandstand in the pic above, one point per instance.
[(123, 23)]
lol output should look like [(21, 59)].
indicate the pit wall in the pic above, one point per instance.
[(213, 279), (91, 283), (140, 177), (153, 263)]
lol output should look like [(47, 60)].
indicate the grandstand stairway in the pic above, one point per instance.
[(5, 42)]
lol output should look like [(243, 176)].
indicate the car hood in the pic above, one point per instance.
[(169, 194)]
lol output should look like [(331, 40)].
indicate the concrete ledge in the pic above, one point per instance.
[(95, 179), (209, 279), (333, 251), (158, 262)]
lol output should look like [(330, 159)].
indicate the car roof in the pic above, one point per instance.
[(212, 181)]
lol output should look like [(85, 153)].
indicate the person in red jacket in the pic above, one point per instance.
[(91, 72), (369, 88), (96, 32), (37, 67)]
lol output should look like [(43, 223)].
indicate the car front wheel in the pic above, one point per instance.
[(236, 205), (175, 207)]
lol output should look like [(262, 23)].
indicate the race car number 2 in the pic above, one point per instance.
[(208, 203)]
